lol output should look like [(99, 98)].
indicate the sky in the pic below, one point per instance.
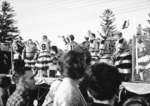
[(62, 17)]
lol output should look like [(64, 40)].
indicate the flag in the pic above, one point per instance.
[(125, 24)]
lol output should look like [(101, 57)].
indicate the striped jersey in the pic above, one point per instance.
[(45, 46), (144, 63), (123, 61), (72, 45)]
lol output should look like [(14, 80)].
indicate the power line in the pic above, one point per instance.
[(96, 3), (134, 10), (121, 9), (72, 3), (101, 4), (88, 5)]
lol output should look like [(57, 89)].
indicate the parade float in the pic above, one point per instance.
[(137, 91)]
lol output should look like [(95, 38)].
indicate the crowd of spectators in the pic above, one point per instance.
[(82, 80)]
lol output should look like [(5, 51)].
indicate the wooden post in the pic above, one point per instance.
[(133, 57), (136, 48)]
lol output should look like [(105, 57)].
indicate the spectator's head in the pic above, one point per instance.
[(24, 76), (104, 82), (5, 81), (85, 51), (74, 64)]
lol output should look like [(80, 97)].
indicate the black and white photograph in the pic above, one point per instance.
[(74, 52)]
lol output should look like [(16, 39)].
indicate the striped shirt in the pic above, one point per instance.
[(123, 61), (144, 63)]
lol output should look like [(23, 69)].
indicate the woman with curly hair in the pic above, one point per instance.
[(68, 93), (73, 66), (73, 69)]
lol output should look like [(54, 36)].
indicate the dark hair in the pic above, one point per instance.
[(85, 51), (86, 38), (54, 48), (44, 36), (73, 65), (104, 81), (121, 41), (19, 66), (20, 69), (5, 81), (71, 37), (103, 41), (93, 35), (120, 34)]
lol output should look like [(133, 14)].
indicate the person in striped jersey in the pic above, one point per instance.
[(123, 59), (144, 67), (44, 58), (94, 48), (29, 54), (72, 43)]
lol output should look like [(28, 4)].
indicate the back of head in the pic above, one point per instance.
[(75, 62), (20, 69), (5, 81), (18, 66), (104, 81), (73, 65), (85, 51)]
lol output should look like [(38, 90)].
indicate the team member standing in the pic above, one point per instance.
[(123, 58), (29, 54), (44, 57)]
